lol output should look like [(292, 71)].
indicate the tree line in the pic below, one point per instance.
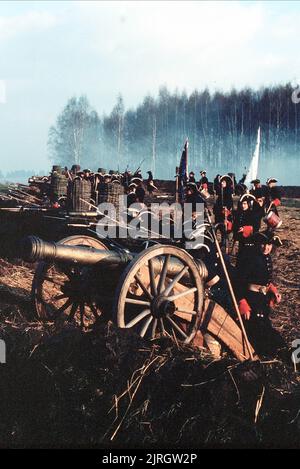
[(221, 127)]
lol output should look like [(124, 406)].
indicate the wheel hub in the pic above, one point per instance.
[(79, 285), (161, 307)]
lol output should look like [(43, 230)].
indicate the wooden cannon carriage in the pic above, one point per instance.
[(157, 292)]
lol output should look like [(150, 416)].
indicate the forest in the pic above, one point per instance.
[(221, 128)]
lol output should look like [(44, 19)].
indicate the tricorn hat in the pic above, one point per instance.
[(135, 179), (255, 181), (267, 237), (226, 177), (271, 180), (247, 198)]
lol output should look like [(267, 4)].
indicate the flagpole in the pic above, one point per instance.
[(186, 150), (177, 185)]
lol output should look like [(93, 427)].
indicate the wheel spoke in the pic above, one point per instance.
[(162, 326), (181, 294), (177, 327), (152, 277), (139, 281), (73, 311), (154, 326), (81, 309), (137, 302), (175, 280), (163, 274), (138, 318), (145, 327), (64, 307), (94, 310)]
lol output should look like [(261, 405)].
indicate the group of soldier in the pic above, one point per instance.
[(252, 274), (74, 188)]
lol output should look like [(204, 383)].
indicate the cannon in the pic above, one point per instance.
[(157, 292), (83, 276)]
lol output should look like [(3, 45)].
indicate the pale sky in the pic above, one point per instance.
[(50, 51)]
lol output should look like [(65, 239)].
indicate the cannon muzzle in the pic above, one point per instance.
[(35, 249)]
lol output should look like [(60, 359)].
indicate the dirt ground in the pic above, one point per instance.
[(64, 388), (286, 318)]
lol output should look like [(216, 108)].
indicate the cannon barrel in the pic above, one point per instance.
[(35, 249)]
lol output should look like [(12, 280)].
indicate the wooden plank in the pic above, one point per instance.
[(220, 324)]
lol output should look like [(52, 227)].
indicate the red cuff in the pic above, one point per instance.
[(228, 226), (247, 231), (244, 307), (204, 185), (276, 202), (273, 289), (274, 298)]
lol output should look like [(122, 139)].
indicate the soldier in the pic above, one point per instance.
[(203, 183), (273, 196), (245, 219), (240, 187), (192, 177), (246, 222), (257, 294), (79, 175), (102, 188), (193, 196), (258, 190), (138, 174), (216, 183), (101, 172), (140, 191), (224, 199), (126, 179), (150, 183), (131, 194), (259, 207), (87, 174)]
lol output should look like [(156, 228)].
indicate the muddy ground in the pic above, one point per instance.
[(109, 388)]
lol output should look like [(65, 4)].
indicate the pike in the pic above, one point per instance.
[(230, 286), (139, 167)]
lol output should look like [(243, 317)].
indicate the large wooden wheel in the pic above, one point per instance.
[(64, 292), (160, 293)]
